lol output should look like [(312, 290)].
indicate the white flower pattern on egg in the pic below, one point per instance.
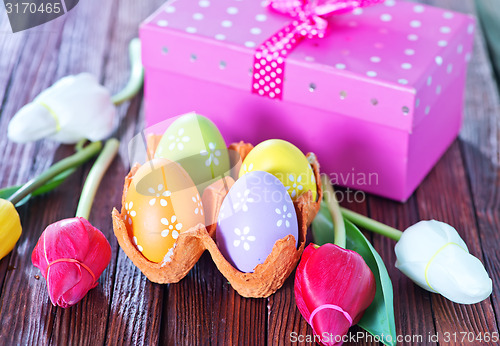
[(173, 226), (296, 187), (221, 214), (244, 238), (247, 238), (159, 193), (129, 212), (284, 216), (243, 200), (213, 154), (137, 245), (247, 169), (178, 141), (198, 205)]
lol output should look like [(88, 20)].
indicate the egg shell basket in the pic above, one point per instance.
[(267, 277)]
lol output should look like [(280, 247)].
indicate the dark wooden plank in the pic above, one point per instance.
[(480, 148), (16, 160), (445, 195), (139, 323), (447, 186), (489, 16), (285, 323), (39, 67), (415, 311), (86, 322), (204, 309), (12, 48), (27, 316), (286, 326), (136, 307), (412, 305), (19, 167), (136, 304)]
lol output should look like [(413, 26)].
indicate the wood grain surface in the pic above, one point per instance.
[(203, 309)]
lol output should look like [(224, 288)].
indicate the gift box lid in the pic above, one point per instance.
[(385, 64)]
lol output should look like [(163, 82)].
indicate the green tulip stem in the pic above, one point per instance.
[(371, 225), (334, 208), (80, 145), (136, 75), (95, 176), (74, 160)]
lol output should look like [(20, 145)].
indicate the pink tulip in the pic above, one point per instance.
[(71, 255), (333, 288)]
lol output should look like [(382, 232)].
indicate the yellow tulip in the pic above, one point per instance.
[(10, 227)]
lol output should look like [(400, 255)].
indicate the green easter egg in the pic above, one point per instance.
[(196, 144)]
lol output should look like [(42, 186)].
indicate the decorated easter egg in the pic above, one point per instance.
[(286, 162), (162, 202), (196, 144), (256, 212)]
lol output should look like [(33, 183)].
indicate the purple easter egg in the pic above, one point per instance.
[(256, 212)]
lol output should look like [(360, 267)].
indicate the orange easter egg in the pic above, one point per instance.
[(161, 203)]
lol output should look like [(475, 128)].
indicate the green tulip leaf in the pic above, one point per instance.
[(54, 183), (378, 319), (322, 226), (5, 193)]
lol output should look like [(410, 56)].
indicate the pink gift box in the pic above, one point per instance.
[(379, 99)]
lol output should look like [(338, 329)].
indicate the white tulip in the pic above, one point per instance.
[(74, 108), (433, 255)]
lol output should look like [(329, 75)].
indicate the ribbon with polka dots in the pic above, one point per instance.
[(269, 58)]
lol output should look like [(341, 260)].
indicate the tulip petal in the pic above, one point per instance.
[(460, 276), (422, 240), (10, 227), (414, 271), (31, 123), (332, 276), (63, 281), (432, 254), (71, 254), (74, 108), (378, 318)]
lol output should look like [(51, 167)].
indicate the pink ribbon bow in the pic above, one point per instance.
[(309, 22)]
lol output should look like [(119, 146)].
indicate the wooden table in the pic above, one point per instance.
[(463, 190)]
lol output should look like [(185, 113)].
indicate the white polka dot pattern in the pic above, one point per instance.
[(410, 46), (269, 58), (386, 17), (204, 3)]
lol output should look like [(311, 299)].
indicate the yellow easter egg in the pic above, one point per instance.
[(161, 203), (286, 162)]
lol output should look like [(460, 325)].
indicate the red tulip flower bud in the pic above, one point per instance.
[(71, 255), (333, 288)]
